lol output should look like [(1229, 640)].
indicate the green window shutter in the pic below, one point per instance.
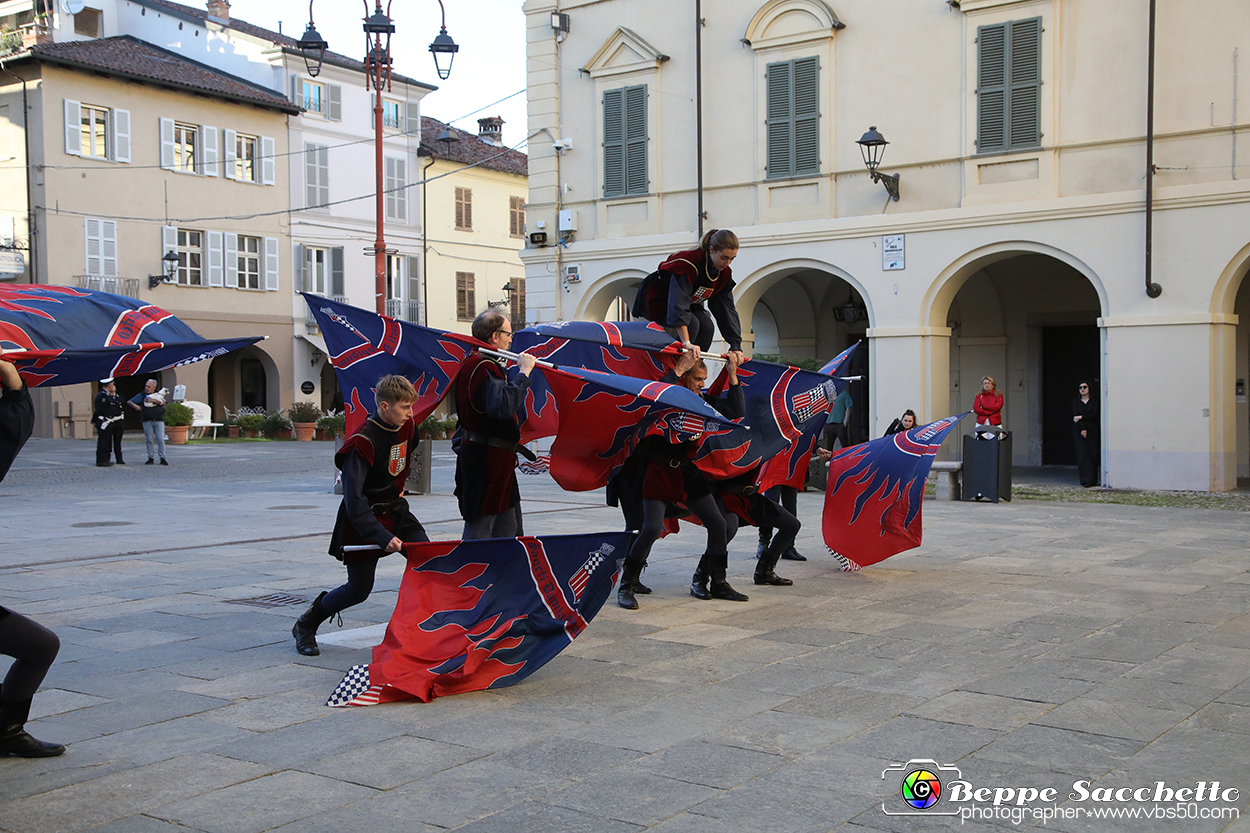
[(614, 143), (1025, 95), (806, 75), (636, 139), (992, 88), (780, 123)]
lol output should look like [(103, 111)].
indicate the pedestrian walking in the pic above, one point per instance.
[(375, 462), (106, 415), (151, 405)]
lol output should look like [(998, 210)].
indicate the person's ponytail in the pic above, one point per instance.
[(719, 240)]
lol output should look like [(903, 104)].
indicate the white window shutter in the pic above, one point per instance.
[(295, 90), (208, 151), (215, 259), (232, 259), (167, 144), (267, 162), (73, 127), (230, 140), (91, 236), (271, 264), (334, 102), (108, 248), (412, 118), (121, 135), (299, 267), (169, 241)]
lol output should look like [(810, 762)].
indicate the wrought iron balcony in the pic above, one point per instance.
[(109, 283)]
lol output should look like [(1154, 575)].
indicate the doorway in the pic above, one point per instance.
[(1069, 355)]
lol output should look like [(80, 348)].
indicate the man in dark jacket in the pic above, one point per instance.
[(488, 437), (151, 405), (106, 415)]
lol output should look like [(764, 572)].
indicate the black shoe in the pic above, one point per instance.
[(625, 597), (791, 554), (772, 578), (121, 462), (641, 589), (305, 628), (698, 585), (722, 590), (15, 740), (103, 465), (149, 462), (165, 462)]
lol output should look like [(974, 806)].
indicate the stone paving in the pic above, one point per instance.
[(1029, 644)]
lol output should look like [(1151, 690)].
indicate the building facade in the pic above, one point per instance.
[(1017, 248)]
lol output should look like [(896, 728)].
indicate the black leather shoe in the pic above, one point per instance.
[(165, 462), (722, 590), (15, 740), (641, 589), (771, 578), (103, 465), (791, 554), (121, 462), (149, 462), (305, 628), (625, 597)]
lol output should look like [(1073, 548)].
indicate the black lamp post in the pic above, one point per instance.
[(378, 27), (872, 146), (169, 262)]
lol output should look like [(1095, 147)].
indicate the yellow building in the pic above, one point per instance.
[(128, 152), (475, 193)]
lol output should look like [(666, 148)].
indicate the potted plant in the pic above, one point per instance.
[(252, 424), (333, 424), (429, 426), (277, 426), (231, 422), (178, 419), (304, 416)]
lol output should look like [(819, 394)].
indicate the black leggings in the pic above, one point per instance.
[(358, 587), (788, 498), (700, 328), (704, 509), (33, 648)]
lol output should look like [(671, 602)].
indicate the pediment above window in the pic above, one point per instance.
[(624, 52), (781, 23)]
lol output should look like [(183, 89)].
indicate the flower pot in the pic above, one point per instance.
[(177, 433), (324, 434), (304, 431), (251, 433), (232, 430), (284, 433)]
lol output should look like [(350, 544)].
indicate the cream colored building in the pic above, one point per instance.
[(475, 192), (135, 152), (1017, 249)]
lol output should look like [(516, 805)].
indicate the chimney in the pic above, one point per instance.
[(219, 10), (490, 130)]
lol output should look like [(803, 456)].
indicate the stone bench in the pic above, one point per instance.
[(947, 479)]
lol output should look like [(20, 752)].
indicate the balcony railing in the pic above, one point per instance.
[(107, 283), (409, 311), (310, 320)]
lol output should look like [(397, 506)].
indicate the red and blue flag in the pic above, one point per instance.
[(60, 335), (875, 493), (627, 348), (476, 615)]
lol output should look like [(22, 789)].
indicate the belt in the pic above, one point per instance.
[(514, 447), (675, 462), (745, 489)]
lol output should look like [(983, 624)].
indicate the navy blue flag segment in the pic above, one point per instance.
[(875, 493), (474, 615), (365, 346), (834, 366), (59, 335), (628, 348)]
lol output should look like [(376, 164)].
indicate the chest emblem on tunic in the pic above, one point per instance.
[(399, 458), (701, 293)]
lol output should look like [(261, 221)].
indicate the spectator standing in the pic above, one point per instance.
[(151, 405), (904, 423), (839, 416), (1085, 427), (106, 415), (988, 405)]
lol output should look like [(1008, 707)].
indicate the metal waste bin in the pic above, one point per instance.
[(987, 466), (419, 478)]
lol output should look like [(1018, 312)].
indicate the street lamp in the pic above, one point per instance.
[(379, 26), (169, 262), (872, 146)]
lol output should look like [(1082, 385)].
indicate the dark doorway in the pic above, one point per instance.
[(129, 387), (858, 366), (252, 379), (1069, 354)]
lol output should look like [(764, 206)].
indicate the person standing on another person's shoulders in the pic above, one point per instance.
[(151, 405), (106, 415)]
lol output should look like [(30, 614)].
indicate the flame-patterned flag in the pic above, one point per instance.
[(365, 346), (59, 335), (875, 493), (474, 615), (628, 348)]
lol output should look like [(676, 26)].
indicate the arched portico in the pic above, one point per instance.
[(609, 296), (1230, 357)]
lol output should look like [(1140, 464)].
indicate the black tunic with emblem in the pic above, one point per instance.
[(375, 462)]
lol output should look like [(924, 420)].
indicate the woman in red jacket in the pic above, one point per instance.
[(988, 405)]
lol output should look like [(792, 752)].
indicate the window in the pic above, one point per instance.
[(464, 209), (190, 257), (395, 277), (97, 132), (248, 260), (312, 97), (390, 114), (94, 132), (793, 123), (101, 247), (516, 303), (315, 270), (315, 97), (87, 22), (516, 216), (317, 176), (185, 137), (625, 141), (245, 167), (396, 188), (466, 305), (1009, 85)]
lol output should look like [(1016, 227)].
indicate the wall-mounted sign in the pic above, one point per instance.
[(307, 388), (892, 252), (12, 264)]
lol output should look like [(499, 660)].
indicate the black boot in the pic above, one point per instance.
[(14, 740), (764, 570), (625, 592), (791, 554), (640, 588), (698, 582), (305, 628), (720, 588)]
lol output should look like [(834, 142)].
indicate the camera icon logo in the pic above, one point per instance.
[(920, 789)]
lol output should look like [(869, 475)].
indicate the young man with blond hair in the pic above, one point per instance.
[(375, 462)]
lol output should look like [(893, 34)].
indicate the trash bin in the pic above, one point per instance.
[(987, 466)]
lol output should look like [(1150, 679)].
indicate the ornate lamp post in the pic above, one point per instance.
[(378, 30), (872, 147)]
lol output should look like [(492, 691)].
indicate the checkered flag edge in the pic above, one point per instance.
[(354, 689), (845, 564)]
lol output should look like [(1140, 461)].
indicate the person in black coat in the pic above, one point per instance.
[(106, 415), (1085, 425)]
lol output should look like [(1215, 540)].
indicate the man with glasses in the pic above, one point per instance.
[(488, 438)]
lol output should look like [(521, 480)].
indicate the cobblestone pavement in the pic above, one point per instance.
[(1029, 644)]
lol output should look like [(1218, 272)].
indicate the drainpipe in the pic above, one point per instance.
[(698, 108), (1153, 290)]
